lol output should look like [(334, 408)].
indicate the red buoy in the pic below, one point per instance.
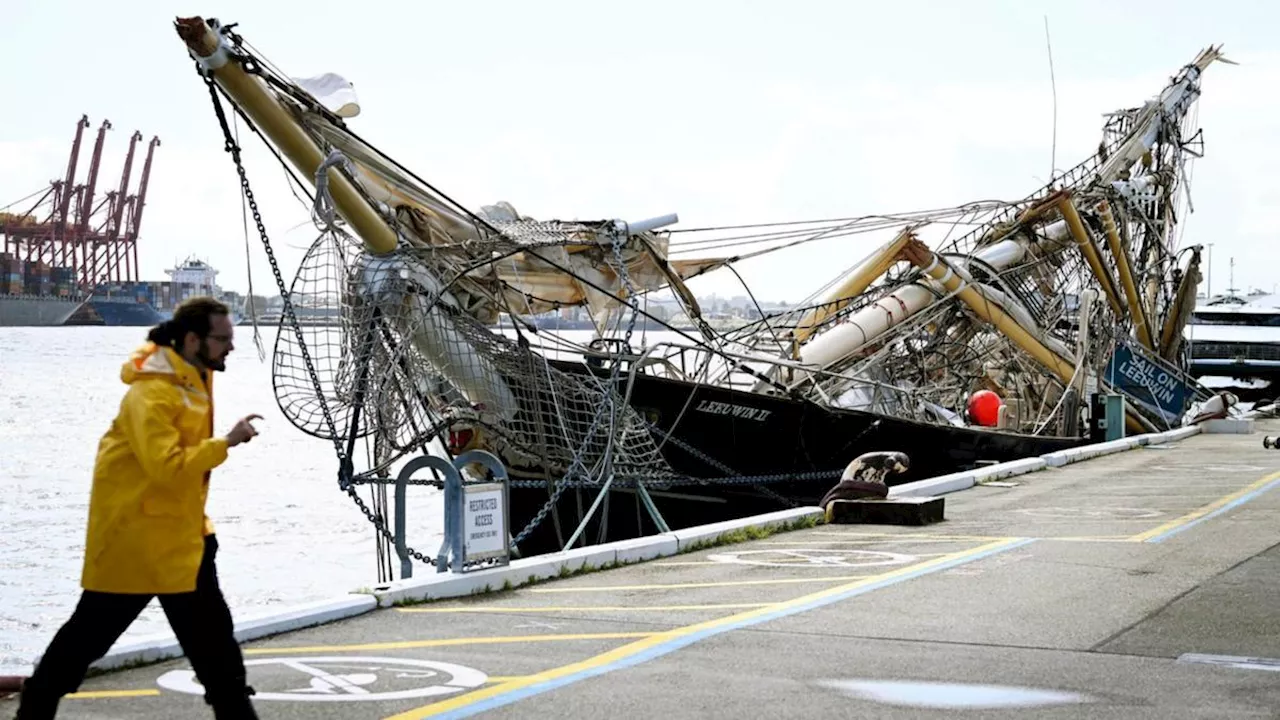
[(984, 408)]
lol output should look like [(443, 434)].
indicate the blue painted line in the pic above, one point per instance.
[(685, 640), (1229, 506)]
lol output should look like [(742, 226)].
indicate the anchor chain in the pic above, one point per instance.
[(344, 473)]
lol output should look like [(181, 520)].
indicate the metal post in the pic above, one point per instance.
[(438, 464), (1208, 277), (1115, 414), (652, 508), (590, 512), (452, 524)]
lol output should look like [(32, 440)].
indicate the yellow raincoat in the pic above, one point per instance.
[(151, 479)]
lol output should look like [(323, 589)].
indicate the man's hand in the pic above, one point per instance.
[(243, 431)]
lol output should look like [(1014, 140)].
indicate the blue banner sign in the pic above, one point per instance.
[(1146, 381)]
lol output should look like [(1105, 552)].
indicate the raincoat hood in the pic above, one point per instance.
[(156, 361)]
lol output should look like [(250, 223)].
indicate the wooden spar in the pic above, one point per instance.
[(1068, 210), (253, 96), (1126, 275), (1183, 304), (922, 257), (853, 286)]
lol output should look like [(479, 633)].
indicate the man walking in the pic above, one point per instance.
[(148, 535)]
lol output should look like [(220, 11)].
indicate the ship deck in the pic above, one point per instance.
[(1137, 585)]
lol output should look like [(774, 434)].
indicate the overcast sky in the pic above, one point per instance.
[(720, 111)]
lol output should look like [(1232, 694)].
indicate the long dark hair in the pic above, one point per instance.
[(193, 315)]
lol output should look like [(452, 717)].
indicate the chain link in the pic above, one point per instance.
[(344, 463), (759, 481)]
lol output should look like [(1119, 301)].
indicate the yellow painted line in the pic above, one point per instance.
[(1207, 509), (780, 563), (865, 541), (104, 694), (1089, 538), (443, 642), (506, 678), (682, 586), (1066, 538), (654, 643), (593, 608), (908, 536)]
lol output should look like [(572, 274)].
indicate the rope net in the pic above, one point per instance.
[(401, 364)]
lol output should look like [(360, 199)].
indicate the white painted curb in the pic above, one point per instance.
[(164, 646), (688, 538), (1085, 452), (955, 482), (1180, 433), (964, 480), (529, 570), (1230, 425)]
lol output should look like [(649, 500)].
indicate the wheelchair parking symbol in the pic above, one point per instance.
[(342, 679)]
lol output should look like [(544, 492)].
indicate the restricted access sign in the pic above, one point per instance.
[(484, 521)]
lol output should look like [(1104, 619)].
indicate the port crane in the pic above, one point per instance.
[(92, 244)]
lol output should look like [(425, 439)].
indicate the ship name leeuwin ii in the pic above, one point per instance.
[(1044, 303)]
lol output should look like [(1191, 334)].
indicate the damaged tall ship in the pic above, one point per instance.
[(1080, 288)]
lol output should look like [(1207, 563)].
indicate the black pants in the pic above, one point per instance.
[(200, 619)]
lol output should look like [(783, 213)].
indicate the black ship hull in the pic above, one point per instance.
[(755, 435)]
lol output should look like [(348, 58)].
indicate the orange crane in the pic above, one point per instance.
[(59, 229)]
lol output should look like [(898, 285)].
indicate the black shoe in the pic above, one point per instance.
[(31, 707), (233, 707)]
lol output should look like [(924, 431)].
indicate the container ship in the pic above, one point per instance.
[(149, 303), (35, 294)]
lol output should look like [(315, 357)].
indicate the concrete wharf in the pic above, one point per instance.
[(1140, 584)]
